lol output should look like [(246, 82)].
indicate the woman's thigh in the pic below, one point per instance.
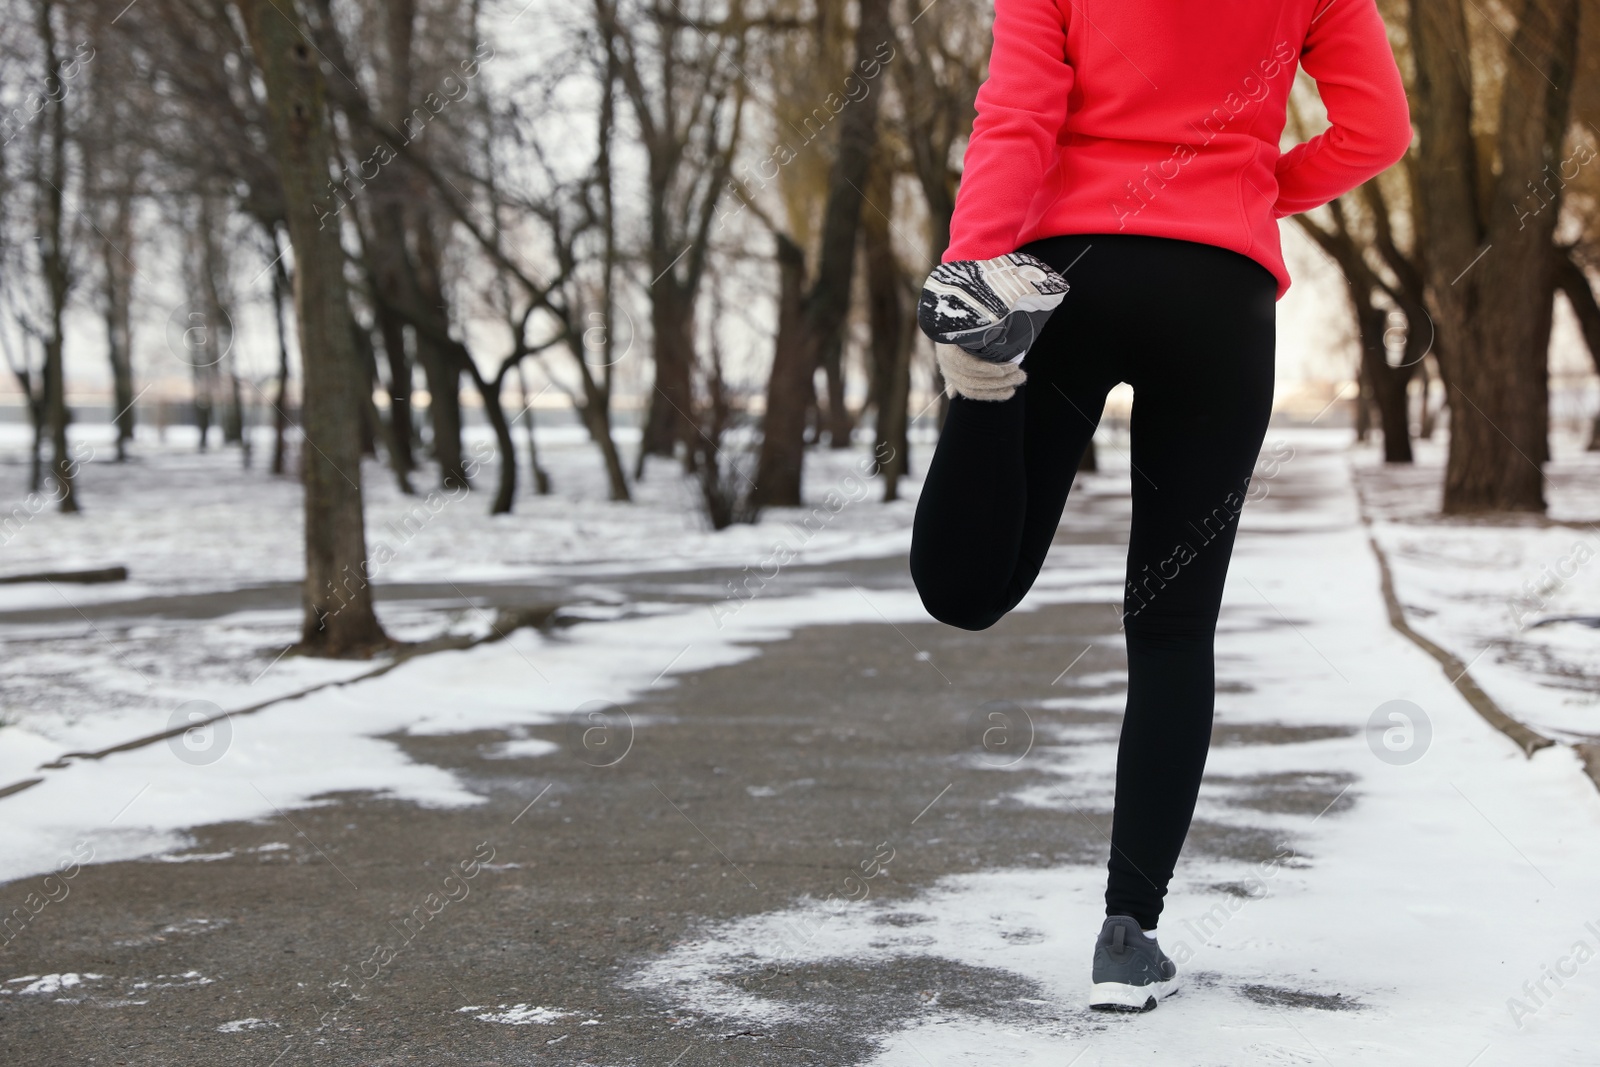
[(1192, 328), (1071, 367), (1202, 377)]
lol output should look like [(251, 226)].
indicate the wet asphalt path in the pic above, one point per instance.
[(746, 787)]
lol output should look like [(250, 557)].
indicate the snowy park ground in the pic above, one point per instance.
[(1431, 901)]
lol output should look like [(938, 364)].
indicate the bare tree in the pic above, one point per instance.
[(891, 315), (1488, 263), (282, 292), (113, 166), (945, 48), (1374, 294), (812, 315), (339, 618), (684, 81), (49, 174)]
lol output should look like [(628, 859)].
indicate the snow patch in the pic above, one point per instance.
[(40, 985), (520, 748), (518, 1014), (238, 1026)]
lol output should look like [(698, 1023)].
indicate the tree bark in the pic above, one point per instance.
[(339, 618)]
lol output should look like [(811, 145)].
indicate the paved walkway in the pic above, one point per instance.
[(824, 831)]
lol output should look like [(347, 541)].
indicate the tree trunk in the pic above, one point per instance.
[(372, 426), (820, 323), (668, 420), (444, 411), (214, 284), (596, 414), (54, 264), (1489, 264), (388, 257), (36, 460), (439, 365), (839, 421), (233, 410), (392, 331), (1570, 279), (891, 324), (596, 407), (204, 393), (541, 479), (33, 396), (118, 311), (937, 98), (1382, 387), (111, 171), (339, 618), (280, 405), (491, 390), (783, 426), (1385, 385), (1427, 414)]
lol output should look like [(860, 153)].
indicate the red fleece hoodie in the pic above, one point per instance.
[(1131, 116)]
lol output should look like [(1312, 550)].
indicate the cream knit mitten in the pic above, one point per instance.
[(975, 378)]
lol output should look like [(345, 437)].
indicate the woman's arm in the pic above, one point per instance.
[(1347, 52), (1021, 107)]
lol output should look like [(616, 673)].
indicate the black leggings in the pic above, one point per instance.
[(1191, 327)]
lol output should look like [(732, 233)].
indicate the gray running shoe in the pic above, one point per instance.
[(993, 308), (1131, 973)]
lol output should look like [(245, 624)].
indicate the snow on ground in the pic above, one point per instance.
[(1517, 600), (1445, 914), (186, 523), (139, 802)]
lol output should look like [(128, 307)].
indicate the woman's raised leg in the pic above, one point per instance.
[(1000, 474)]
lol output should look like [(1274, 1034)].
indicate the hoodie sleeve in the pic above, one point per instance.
[(1021, 108), (1347, 52)]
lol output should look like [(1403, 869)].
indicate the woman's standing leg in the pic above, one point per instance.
[(1203, 380)]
